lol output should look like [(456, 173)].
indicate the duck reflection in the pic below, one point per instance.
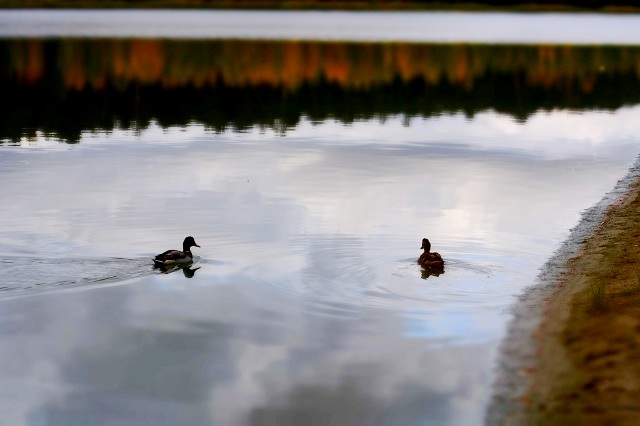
[(432, 263), (186, 269), (426, 273)]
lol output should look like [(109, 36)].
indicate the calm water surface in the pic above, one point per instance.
[(434, 27), (306, 299), (305, 304)]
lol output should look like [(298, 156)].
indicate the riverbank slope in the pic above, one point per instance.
[(588, 361), (583, 366)]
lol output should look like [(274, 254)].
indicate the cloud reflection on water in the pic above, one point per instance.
[(185, 359), (307, 301)]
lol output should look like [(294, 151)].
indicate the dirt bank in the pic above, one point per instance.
[(572, 355)]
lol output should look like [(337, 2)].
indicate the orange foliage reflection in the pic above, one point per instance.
[(92, 64)]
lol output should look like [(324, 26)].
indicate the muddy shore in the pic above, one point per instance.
[(572, 352)]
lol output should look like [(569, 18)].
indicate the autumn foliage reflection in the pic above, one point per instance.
[(289, 65), (309, 78)]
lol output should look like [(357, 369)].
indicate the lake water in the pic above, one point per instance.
[(308, 172)]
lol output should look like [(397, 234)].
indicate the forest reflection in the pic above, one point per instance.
[(64, 87)]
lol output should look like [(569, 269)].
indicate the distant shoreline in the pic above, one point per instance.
[(380, 5), (572, 351)]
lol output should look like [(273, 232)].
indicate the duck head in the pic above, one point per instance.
[(188, 243), (426, 245)]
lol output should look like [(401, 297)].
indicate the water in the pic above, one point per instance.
[(433, 27), (309, 193)]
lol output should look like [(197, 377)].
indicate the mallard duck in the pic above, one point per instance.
[(171, 257), (429, 259)]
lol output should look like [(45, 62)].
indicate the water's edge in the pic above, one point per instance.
[(518, 349)]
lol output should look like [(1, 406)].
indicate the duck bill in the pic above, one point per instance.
[(197, 245)]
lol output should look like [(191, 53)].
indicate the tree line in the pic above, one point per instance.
[(617, 5), (65, 87)]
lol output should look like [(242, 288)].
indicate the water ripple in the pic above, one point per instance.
[(340, 279), (25, 275)]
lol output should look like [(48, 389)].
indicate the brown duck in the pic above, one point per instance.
[(428, 259)]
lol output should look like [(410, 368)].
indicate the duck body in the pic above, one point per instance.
[(429, 259), (172, 257)]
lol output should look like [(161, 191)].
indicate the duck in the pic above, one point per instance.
[(171, 257), (428, 259)]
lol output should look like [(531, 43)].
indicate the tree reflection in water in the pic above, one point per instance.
[(64, 87)]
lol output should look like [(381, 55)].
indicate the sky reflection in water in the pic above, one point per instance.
[(308, 303)]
